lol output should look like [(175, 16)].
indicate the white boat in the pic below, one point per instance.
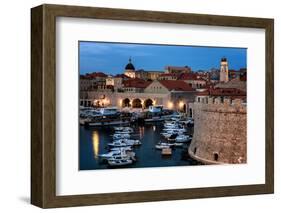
[(125, 148), (112, 154), (123, 128), (118, 144), (119, 157), (169, 124), (178, 144), (158, 146), (182, 138), (176, 130), (130, 142), (124, 132), (120, 162), (162, 145), (120, 136)]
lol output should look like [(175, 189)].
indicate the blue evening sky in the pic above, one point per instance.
[(111, 58)]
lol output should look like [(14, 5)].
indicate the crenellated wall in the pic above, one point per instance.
[(220, 131)]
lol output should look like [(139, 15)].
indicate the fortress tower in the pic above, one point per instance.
[(220, 131), (224, 70)]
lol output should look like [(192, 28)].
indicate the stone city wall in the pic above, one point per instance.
[(220, 131)]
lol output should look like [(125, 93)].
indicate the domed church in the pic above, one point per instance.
[(130, 69)]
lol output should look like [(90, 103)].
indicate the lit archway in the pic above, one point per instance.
[(147, 103), (126, 102), (190, 113), (184, 108), (136, 103)]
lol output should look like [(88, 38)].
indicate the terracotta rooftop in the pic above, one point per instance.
[(121, 76), (232, 92), (95, 75), (136, 83), (176, 85)]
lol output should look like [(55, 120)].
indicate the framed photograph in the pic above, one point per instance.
[(136, 106)]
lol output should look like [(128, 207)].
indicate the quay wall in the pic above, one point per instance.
[(220, 131)]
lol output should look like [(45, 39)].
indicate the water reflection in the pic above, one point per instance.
[(96, 143), (141, 131)]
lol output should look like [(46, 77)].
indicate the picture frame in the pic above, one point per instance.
[(43, 105)]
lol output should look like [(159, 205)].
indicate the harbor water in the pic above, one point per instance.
[(93, 141)]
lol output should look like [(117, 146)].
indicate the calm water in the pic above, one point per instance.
[(93, 141)]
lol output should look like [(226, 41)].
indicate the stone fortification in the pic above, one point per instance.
[(220, 131)]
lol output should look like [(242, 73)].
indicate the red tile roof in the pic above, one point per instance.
[(95, 75), (176, 85), (121, 76), (232, 92), (136, 83)]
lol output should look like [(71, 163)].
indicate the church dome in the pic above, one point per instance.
[(224, 59), (130, 66)]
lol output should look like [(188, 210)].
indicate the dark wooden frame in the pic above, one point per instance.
[(43, 105)]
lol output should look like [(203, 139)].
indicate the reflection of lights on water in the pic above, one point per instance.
[(96, 143), (154, 128), (141, 131)]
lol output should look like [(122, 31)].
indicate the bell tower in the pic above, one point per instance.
[(224, 70)]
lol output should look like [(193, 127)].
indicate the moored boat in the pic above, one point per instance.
[(122, 162)]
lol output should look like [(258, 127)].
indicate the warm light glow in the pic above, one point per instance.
[(181, 104), (154, 102), (96, 143), (120, 102), (170, 105)]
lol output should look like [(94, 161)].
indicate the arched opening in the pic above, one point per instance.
[(136, 103), (216, 156), (194, 151), (184, 108), (126, 102), (147, 103), (190, 113)]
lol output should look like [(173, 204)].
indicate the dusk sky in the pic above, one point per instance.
[(111, 58)]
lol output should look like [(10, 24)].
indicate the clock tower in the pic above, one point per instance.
[(224, 70)]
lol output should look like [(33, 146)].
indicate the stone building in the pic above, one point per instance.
[(220, 131), (91, 80), (193, 79), (177, 69), (114, 81), (168, 76)]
